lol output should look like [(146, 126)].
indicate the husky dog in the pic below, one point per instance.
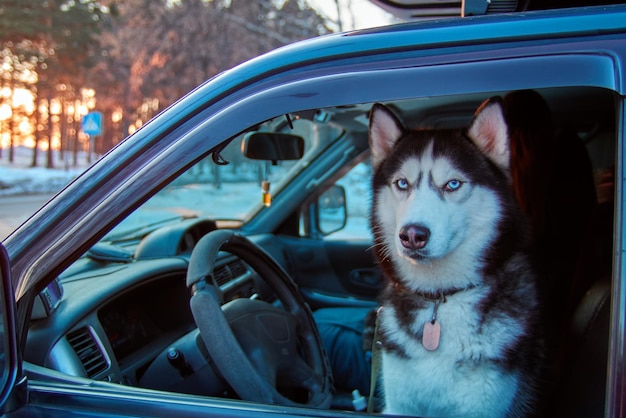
[(459, 319)]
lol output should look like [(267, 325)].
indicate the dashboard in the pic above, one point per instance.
[(144, 315), (119, 321)]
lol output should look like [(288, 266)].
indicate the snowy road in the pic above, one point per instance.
[(16, 209)]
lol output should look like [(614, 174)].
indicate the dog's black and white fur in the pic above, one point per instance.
[(452, 245)]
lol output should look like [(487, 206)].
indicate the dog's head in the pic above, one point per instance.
[(488, 131), (439, 196)]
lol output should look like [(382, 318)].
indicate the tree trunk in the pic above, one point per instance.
[(49, 153)]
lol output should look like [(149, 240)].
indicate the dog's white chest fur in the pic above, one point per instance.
[(460, 377)]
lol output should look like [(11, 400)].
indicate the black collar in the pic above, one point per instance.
[(439, 295)]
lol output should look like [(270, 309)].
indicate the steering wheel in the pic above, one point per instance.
[(265, 353)]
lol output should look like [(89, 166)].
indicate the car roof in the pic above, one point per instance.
[(426, 35), (429, 9)]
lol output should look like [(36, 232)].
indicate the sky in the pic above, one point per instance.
[(356, 14)]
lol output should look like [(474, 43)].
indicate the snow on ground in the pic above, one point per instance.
[(19, 178), (193, 194)]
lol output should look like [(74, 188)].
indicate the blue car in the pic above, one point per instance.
[(219, 261)]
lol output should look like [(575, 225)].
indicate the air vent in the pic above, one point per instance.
[(237, 268), (229, 271), (222, 275), (88, 351)]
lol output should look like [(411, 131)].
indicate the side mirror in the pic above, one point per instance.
[(272, 146), (332, 210)]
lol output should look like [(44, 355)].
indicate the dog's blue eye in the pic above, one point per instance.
[(453, 185), (402, 184)]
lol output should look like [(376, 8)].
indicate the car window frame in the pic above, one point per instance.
[(501, 67), (589, 70), (299, 90), (9, 356), (616, 367)]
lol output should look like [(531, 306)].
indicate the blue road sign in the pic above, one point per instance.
[(92, 123)]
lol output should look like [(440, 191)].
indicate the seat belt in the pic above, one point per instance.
[(376, 364)]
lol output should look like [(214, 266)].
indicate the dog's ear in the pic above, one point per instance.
[(489, 132), (384, 130)]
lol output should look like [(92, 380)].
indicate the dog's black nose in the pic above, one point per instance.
[(414, 236)]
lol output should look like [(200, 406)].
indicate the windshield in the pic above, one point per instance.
[(232, 191)]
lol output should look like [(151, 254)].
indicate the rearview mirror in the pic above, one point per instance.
[(272, 146)]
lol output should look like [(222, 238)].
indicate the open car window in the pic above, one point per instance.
[(208, 196)]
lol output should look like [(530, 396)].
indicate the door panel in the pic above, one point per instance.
[(334, 273)]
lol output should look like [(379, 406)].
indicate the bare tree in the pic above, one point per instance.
[(53, 40), (153, 52)]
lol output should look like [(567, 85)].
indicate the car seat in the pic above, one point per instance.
[(582, 386)]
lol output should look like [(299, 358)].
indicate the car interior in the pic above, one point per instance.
[(122, 313)]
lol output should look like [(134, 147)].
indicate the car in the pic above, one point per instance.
[(169, 278)]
